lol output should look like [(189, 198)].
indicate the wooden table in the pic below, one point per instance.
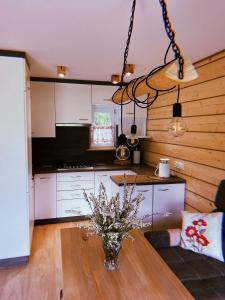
[(142, 273)]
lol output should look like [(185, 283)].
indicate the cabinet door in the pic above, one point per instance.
[(73, 103), (145, 209), (70, 208), (104, 177), (42, 109), (168, 198), (128, 110), (102, 94), (45, 196)]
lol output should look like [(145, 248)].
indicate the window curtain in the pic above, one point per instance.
[(102, 135)]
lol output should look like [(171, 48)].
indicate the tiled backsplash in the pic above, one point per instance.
[(70, 144)]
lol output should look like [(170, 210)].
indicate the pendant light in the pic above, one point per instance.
[(122, 152), (177, 126), (162, 78), (132, 139)]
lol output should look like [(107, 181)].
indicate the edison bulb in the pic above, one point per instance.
[(177, 127), (132, 140), (122, 152)]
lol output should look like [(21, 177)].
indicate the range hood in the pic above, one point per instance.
[(72, 125)]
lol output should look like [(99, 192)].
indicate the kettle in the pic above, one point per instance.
[(163, 168)]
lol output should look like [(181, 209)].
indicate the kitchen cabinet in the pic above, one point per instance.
[(102, 94), (128, 110), (70, 193), (104, 177), (45, 196), (159, 199), (168, 198), (16, 207), (73, 103), (43, 109), (145, 207)]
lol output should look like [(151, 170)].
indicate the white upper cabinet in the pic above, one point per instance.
[(43, 109), (128, 110), (102, 94), (73, 103)]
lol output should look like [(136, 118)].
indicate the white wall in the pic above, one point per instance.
[(14, 229)]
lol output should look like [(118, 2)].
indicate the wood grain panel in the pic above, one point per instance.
[(190, 208), (211, 106), (199, 202), (191, 169), (215, 87), (209, 71), (206, 157), (204, 140), (215, 123), (202, 147), (41, 279), (210, 58)]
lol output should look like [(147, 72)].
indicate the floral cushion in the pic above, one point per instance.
[(202, 233)]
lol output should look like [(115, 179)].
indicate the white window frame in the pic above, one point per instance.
[(112, 110)]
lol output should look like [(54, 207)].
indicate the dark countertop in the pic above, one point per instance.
[(145, 174)]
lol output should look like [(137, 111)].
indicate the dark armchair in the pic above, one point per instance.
[(203, 276)]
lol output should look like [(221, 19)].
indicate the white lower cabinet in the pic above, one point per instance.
[(70, 193), (62, 195), (45, 196), (145, 208), (168, 198), (158, 200), (104, 177)]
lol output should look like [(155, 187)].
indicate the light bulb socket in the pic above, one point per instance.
[(129, 69), (177, 110), (115, 78), (133, 129), (122, 139)]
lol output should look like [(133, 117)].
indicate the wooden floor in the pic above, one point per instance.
[(41, 279)]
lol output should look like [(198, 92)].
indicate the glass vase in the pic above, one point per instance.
[(111, 246)]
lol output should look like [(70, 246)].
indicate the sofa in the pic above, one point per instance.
[(203, 276)]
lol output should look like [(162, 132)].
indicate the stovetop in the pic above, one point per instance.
[(75, 166)]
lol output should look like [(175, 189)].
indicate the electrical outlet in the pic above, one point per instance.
[(179, 165)]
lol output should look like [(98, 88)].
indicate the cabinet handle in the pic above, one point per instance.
[(75, 195), (163, 190), (77, 185), (44, 178), (102, 175), (129, 113), (143, 191), (72, 211), (83, 119), (66, 199), (75, 176)]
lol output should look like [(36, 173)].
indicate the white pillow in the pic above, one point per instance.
[(202, 233)]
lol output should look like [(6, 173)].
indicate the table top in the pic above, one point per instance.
[(142, 273)]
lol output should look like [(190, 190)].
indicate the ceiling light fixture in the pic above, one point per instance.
[(129, 69), (61, 71), (161, 79), (115, 78)]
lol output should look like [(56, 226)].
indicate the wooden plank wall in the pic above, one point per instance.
[(202, 147)]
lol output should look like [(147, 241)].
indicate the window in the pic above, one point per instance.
[(103, 126)]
